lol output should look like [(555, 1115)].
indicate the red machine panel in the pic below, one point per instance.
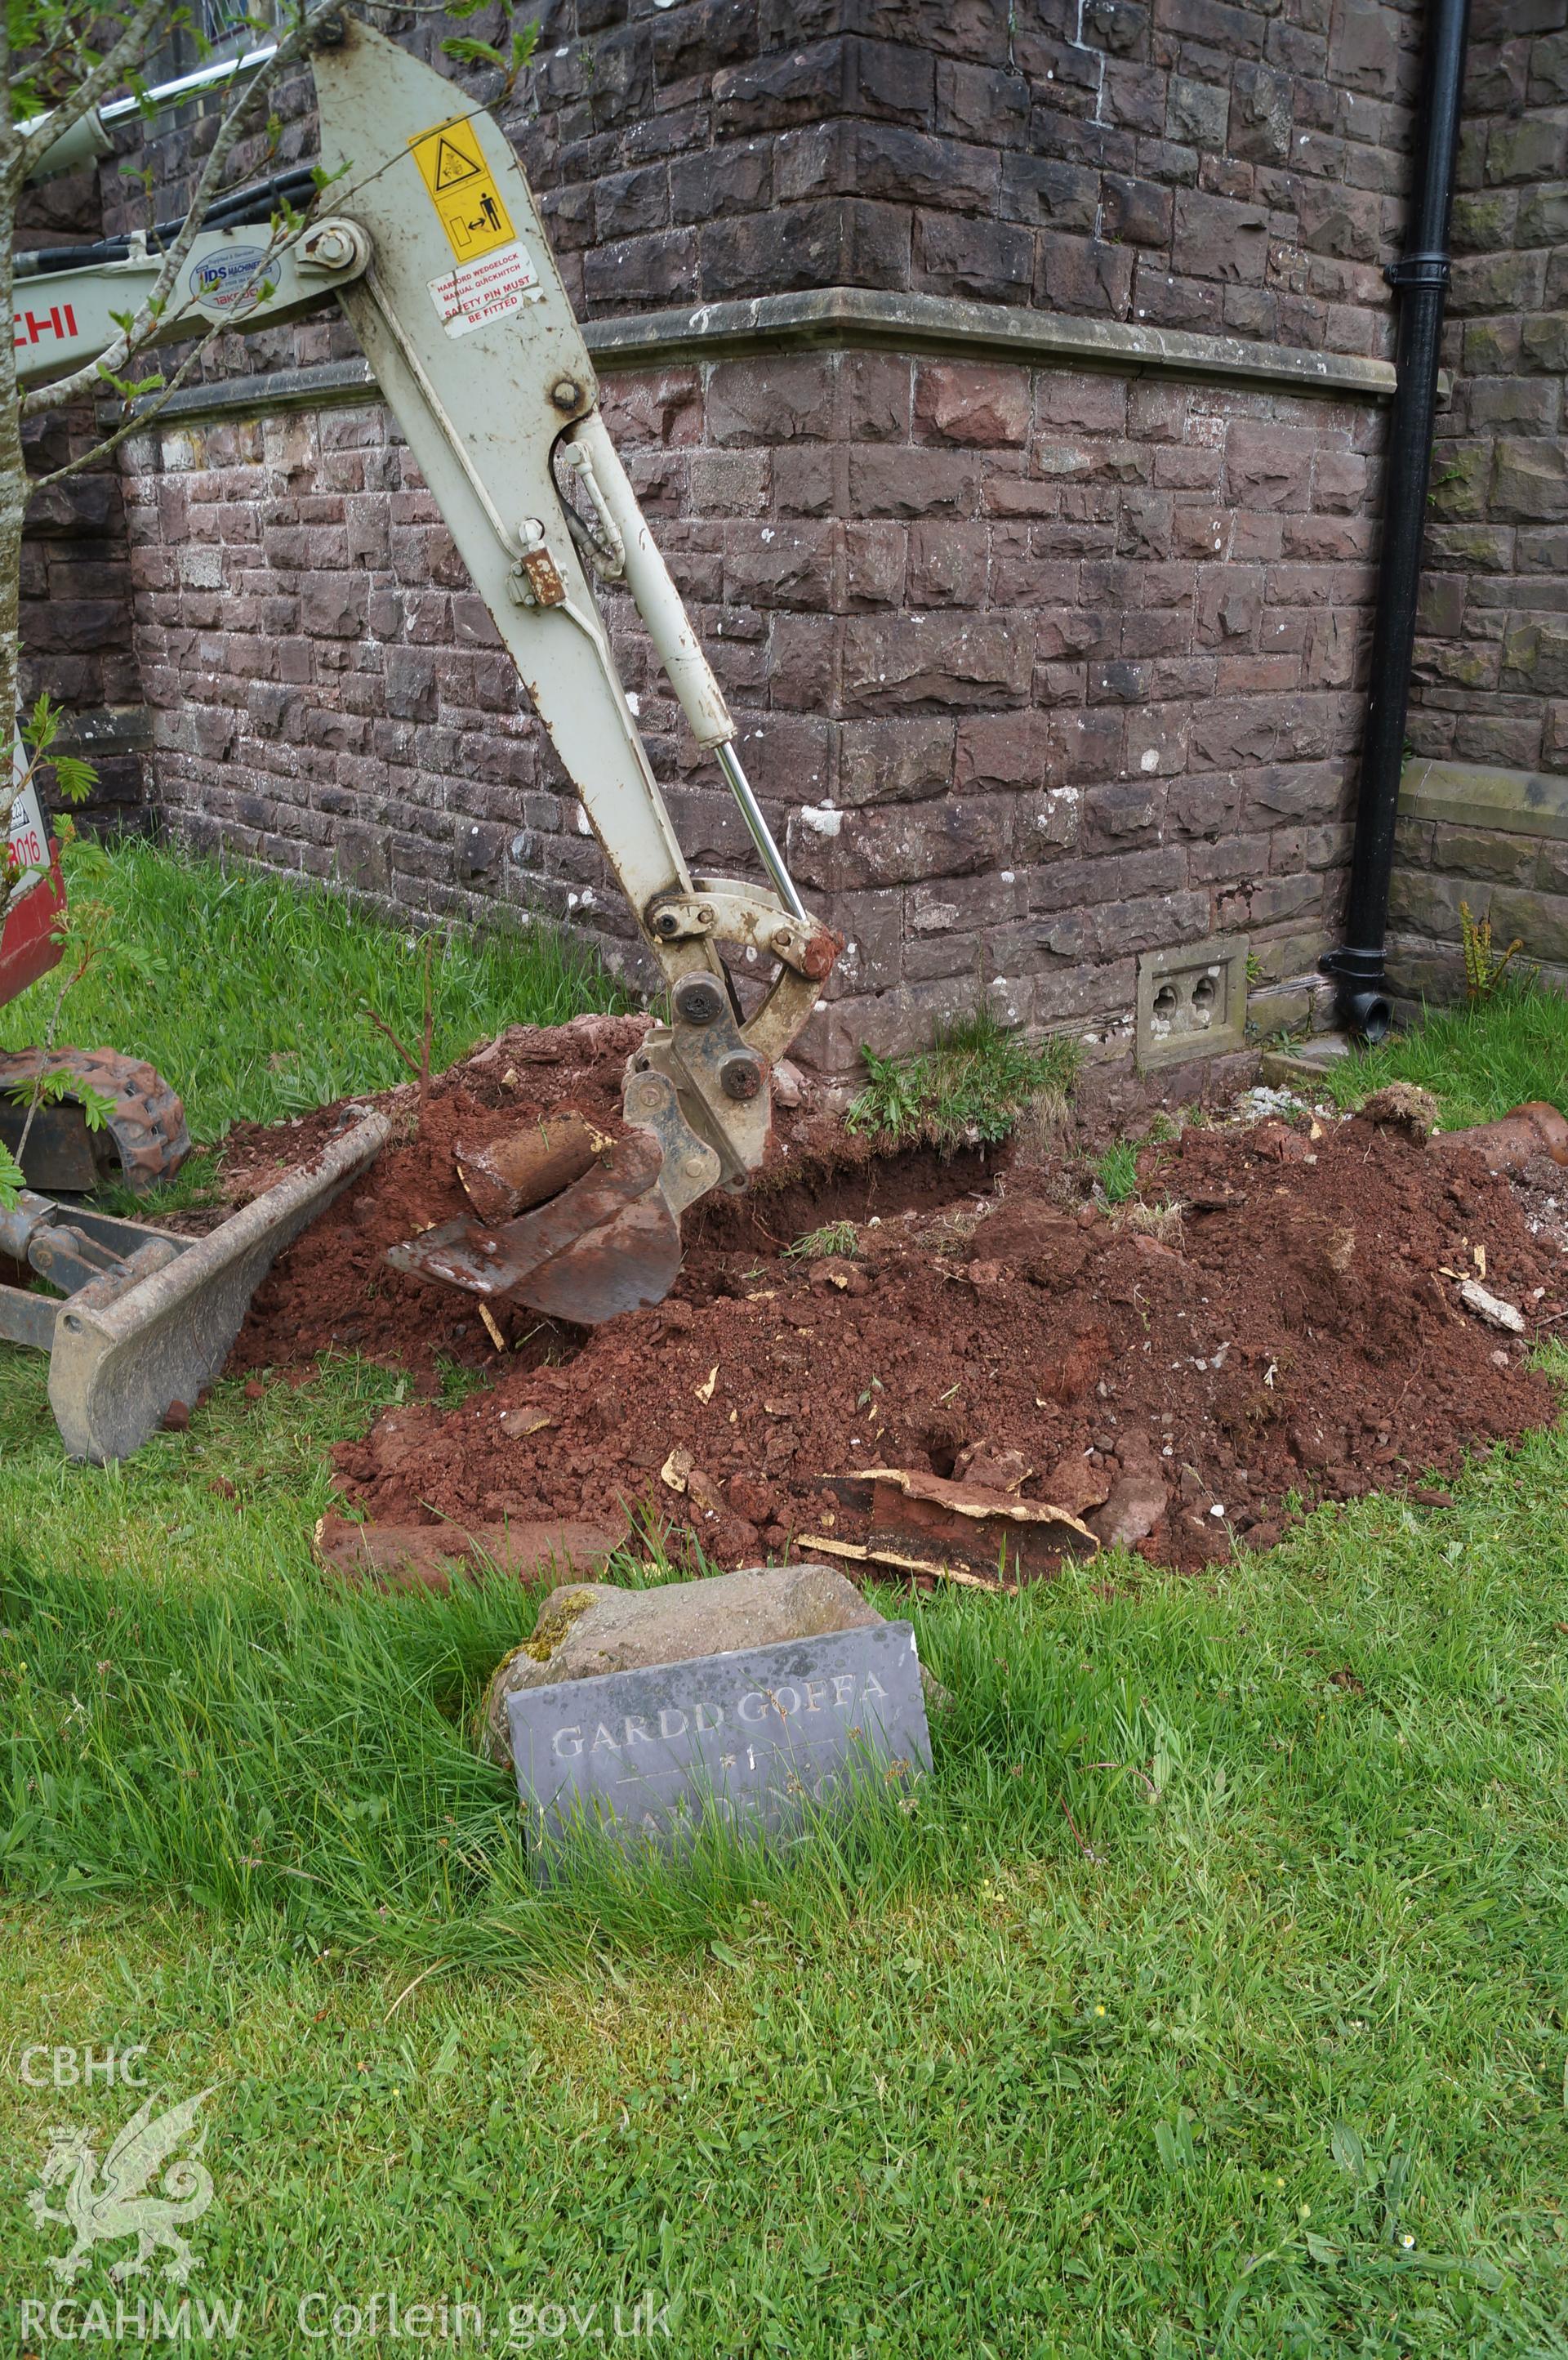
[(28, 947)]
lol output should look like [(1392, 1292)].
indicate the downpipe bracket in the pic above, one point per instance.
[(1361, 994)]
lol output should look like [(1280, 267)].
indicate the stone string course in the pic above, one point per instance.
[(1033, 669)]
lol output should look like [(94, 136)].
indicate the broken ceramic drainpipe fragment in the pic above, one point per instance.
[(505, 1177), (970, 1533)]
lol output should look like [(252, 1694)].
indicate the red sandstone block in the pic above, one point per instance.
[(1255, 536), (902, 758), (1161, 631), (990, 261), (783, 565), (874, 397), (942, 659), (729, 483), (1333, 540), (781, 398), (875, 559), (909, 167), (1084, 746), (1000, 749), (978, 407), (802, 663), (1156, 742), (1023, 576), (1084, 276), (885, 480), (1252, 674), (1123, 814), (947, 564), (891, 844)]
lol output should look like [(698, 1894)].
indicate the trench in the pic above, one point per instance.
[(781, 1205)]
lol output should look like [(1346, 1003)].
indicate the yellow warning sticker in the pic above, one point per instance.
[(463, 190)]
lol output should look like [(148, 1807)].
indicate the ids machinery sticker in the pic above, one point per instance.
[(495, 275), (221, 281)]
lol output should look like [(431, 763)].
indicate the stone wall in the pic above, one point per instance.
[(1037, 667), (1196, 164), (77, 618), (1492, 662), (1034, 670), (1191, 162), (1494, 840)]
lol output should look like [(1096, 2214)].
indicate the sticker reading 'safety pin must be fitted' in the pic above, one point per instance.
[(475, 293)]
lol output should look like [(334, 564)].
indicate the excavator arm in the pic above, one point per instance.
[(436, 252)]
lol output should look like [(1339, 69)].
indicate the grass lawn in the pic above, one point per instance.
[(253, 996), (1477, 1065), (1212, 2002)]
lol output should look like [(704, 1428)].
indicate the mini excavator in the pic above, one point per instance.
[(428, 238)]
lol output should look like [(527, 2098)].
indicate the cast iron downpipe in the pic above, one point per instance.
[(1422, 278)]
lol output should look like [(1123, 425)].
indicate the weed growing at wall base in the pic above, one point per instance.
[(971, 1088)]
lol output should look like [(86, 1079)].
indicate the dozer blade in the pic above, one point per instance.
[(609, 1242), (156, 1330)]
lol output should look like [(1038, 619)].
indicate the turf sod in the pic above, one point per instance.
[(1477, 1062), (1180, 2071)]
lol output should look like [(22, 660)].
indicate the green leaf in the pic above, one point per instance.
[(1175, 2144), (129, 389), (41, 726), (1347, 2151), (470, 52), (74, 778)]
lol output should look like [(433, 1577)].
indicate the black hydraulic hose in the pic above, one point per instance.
[(238, 210), (1421, 279)]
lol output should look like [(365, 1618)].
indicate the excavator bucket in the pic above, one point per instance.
[(156, 1322), (607, 1244)]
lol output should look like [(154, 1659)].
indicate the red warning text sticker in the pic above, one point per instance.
[(476, 293)]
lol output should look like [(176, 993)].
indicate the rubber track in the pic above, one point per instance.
[(148, 1124)]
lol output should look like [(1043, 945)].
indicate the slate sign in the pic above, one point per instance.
[(753, 1739)]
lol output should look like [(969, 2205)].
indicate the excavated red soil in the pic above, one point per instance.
[(335, 1289), (1298, 1331), (1302, 1339)]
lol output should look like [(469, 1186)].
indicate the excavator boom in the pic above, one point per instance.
[(435, 250)]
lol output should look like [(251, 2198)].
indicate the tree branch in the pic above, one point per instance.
[(135, 424), (90, 377), (125, 58)]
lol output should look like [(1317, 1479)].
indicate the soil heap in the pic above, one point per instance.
[(1169, 1377)]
